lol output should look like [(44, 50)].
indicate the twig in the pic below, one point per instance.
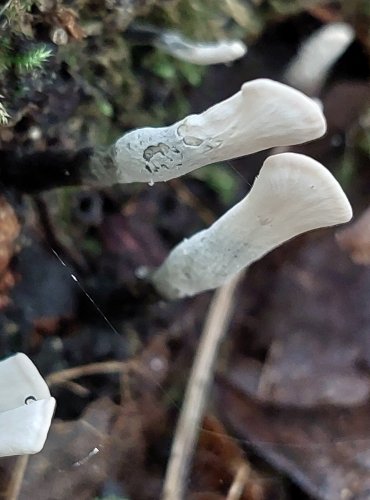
[(197, 391), (16, 481), (66, 377), (78, 389), (240, 480), (266, 379), (81, 371)]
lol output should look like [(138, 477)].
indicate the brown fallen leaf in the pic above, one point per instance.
[(316, 322), (72, 463), (297, 386), (108, 444), (68, 19), (326, 451), (217, 466)]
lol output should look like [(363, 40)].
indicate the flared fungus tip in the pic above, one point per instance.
[(262, 115), (305, 189), (26, 407), (302, 114), (291, 195), (19, 378), (24, 429), (236, 48)]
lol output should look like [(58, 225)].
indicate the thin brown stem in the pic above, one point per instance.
[(16, 481), (197, 390), (63, 376), (240, 480)]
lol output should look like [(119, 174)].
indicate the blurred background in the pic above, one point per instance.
[(291, 399)]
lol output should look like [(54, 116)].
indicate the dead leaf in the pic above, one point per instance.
[(326, 452), (305, 406), (72, 463), (318, 317), (68, 19), (217, 462)]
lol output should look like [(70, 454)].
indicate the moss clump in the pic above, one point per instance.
[(16, 15), (27, 61), (21, 59)]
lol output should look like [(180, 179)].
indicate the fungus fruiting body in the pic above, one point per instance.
[(26, 407), (201, 53), (291, 195), (179, 46), (310, 67), (263, 114)]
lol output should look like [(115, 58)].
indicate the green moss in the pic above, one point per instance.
[(31, 60), (198, 19), (176, 75), (92, 246), (120, 75), (105, 108), (220, 179), (161, 65), (19, 63), (347, 170), (15, 12)]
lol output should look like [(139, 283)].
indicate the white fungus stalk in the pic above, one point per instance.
[(309, 68), (26, 407), (201, 53), (292, 194), (262, 115)]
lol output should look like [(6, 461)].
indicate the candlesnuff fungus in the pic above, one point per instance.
[(26, 407), (292, 194), (317, 54), (176, 44), (262, 115), (201, 53)]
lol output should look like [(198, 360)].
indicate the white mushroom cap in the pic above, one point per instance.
[(23, 430), (26, 407), (292, 194), (262, 115), (309, 68), (201, 53), (19, 379)]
